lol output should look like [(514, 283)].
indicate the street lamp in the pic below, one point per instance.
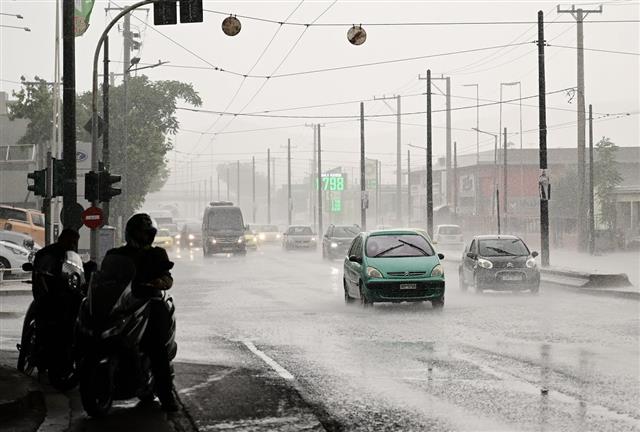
[(495, 172), (12, 15), (27, 29), (477, 186), (519, 84)]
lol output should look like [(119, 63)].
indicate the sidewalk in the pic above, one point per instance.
[(22, 406), (611, 263)]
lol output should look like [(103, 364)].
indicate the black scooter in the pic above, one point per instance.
[(111, 324), (47, 343)]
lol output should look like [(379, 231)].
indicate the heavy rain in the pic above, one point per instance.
[(319, 215)]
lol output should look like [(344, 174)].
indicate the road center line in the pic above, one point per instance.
[(268, 360)]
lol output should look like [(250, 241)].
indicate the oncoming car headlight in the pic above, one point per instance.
[(485, 263), (437, 271), (531, 263), (240, 239), (334, 245), (177, 237), (191, 237), (373, 272), (261, 236)]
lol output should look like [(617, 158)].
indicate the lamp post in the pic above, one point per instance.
[(477, 181), (495, 169), (519, 84)]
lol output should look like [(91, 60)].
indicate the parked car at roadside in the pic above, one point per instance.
[(13, 256), (26, 221), (498, 262), (337, 239), (299, 237), (393, 266)]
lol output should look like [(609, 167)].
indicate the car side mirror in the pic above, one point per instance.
[(441, 256), (354, 258), (534, 254), (27, 267), (471, 255)]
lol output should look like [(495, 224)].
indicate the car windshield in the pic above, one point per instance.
[(267, 228), (398, 245), (300, 231), (449, 230), (502, 247), (229, 218), (348, 231), (11, 213)]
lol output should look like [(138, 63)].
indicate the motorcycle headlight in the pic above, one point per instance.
[(334, 245), (485, 263), (437, 271), (373, 272), (531, 263), (191, 237)]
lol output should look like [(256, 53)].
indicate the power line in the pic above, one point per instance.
[(596, 50)]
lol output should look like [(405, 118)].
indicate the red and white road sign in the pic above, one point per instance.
[(93, 217)]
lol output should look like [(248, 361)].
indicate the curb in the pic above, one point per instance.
[(14, 292)]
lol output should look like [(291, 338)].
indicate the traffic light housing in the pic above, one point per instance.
[(58, 178), (191, 11), (106, 191), (39, 186), (91, 181), (165, 12)]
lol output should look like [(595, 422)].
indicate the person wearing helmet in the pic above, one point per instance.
[(152, 277)]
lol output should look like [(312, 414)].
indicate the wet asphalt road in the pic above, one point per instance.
[(497, 361)]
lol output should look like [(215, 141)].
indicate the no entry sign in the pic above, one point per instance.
[(93, 217)]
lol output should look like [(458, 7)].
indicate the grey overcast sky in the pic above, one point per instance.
[(611, 79)]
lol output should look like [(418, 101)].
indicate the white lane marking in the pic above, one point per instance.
[(268, 360), (210, 379)]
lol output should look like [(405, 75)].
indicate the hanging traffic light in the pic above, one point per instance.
[(191, 11), (165, 12), (39, 186), (106, 191), (91, 181), (58, 178)]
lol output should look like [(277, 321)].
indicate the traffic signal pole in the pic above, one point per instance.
[(363, 185), (69, 198), (105, 114)]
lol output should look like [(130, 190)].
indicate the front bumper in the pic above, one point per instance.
[(301, 245), (220, 247), (505, 279), (388, 290)]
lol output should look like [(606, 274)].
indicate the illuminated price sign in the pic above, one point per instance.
[(332, 182)]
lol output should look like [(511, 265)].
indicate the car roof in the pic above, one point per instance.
[(395, 231), (299, 226), (497, 237), (448, 225)]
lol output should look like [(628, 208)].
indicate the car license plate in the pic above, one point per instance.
[(511, 277), (407, 286)]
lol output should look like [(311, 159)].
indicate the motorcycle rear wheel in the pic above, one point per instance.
[(96, 387), (27, 347)]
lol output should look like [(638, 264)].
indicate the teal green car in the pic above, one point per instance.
[(393, 266)]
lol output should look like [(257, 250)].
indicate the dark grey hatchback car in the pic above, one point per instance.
[(499, 262)]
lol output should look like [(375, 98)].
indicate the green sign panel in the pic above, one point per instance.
[(336, 205), (332, 182)]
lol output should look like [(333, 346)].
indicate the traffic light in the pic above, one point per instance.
[(91, 181), (106, 191), (165, 12), (190, 11), (58, 178), (39, 186)]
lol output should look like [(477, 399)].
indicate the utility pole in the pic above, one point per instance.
[(228, 180), (398, 197), (455, 178), (476, 182), (498, 209), (364, 199), (210, 197), (106, 160), (289, 199), (592, 216), (579, 15), (238, 182), (408, 187), (253, 187), (69, 197), (505, 180), (429, 160), (268, 186), (378, 194), (126, 65), (218, 186), (320, 231), (542, 103)]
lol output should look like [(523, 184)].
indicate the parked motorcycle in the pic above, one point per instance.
[(47, 343), (111, 324)]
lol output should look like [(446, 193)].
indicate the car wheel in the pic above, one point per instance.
[(461, 282), (364, 300), (4, 264), (438, 303), (347, 298)]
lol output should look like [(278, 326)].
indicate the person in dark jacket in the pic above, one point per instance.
[(152, 277)]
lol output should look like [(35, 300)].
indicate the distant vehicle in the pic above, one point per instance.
[(393, 266), (190, 236), (337, 239), (161, 217), (448, 235), (163, 239), (171, 227), (13, 256), (223, 229), (299, 237), (267, 233), (250, 239), (498, 262), (26, 221)]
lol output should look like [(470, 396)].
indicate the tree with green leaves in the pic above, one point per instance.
[(151, 123), (606, 179)]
